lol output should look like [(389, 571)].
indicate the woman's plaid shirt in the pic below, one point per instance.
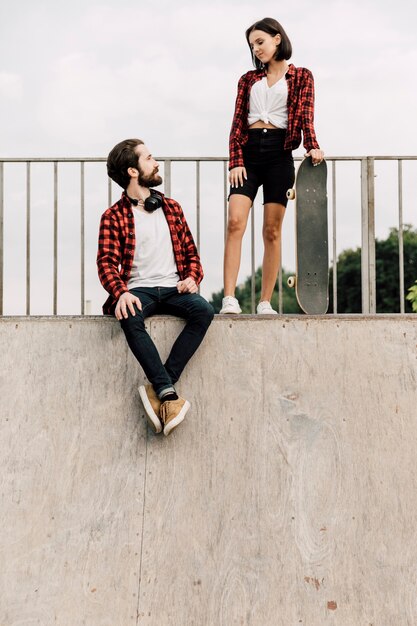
[(300, 105), (116, 247)]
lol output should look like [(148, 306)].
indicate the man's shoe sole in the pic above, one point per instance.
[(152, 417), (177, 420)]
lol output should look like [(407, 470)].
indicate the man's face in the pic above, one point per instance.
[(147, 167)]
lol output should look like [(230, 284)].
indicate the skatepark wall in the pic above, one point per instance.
[(288, 495)]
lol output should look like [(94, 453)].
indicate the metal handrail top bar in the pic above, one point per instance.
[(192, 159)]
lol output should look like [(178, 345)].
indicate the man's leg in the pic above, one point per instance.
[(146, 353), (198, 314), (141, 343)]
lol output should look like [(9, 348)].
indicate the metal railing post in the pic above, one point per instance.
[(401, 235), (55, 293), (225, 183), (197, 202), (252, 246), (368, 236), (109, 193), (334, 235), (280, 290), (1, 234), (82, 235), (167, 177), (28, 238)]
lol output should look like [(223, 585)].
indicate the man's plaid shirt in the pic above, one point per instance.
[(300, 105), (116, 247)]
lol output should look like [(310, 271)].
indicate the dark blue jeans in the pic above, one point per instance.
[(198, 314)]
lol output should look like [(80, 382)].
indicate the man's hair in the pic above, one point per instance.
[(272, 27), (120, 159)]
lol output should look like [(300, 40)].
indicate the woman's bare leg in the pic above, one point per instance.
[(272, 227), (239, 207)]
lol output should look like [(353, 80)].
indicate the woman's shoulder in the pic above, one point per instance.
[(248, 77), (301, 72)]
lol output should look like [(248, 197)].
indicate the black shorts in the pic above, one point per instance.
[(267, 164)]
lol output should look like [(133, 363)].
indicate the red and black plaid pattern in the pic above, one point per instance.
[(300, 104), (116, 247)]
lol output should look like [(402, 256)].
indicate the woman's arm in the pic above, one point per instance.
[(307, 115), (238, 124)]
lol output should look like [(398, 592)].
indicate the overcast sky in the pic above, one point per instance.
[(77, 77)]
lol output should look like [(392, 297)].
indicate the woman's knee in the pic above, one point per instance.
[(236, 226), (271, 233)]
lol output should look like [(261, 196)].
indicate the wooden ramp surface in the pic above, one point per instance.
[(287, 497)]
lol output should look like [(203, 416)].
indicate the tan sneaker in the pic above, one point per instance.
[(173, 412), (151, 404)]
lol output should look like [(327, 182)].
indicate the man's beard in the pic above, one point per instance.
[(151, 180)]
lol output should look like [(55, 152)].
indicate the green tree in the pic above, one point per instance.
[(387, 274), (244, 291), (348, 282), (412, 296)]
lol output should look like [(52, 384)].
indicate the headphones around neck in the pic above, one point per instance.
[(153, 202)]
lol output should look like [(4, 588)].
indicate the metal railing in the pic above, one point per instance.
[(368, 260)]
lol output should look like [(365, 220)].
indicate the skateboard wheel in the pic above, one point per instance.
[(291, 281), (291, 194)]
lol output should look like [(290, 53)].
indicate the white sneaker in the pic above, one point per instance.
[(265, 308), (230, 305)]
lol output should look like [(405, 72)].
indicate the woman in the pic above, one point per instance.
[(275, 103)]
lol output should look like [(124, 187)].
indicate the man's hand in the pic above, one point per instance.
[(236, 176), (126, 301), (187, 286)]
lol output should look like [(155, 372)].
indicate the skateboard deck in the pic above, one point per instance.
[(311, 238)]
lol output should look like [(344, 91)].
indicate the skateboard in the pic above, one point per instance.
[(311, 238)]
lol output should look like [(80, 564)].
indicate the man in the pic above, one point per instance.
[(148, 262)]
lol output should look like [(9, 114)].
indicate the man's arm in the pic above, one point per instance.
[(185, 250), (193, 268), (109, 256)]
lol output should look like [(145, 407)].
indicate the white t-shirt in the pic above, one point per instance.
[(269, 104), (154, 262)]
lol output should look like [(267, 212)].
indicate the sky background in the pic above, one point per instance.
[(76, 78)]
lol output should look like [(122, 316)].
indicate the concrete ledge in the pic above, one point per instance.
[(288, 496)]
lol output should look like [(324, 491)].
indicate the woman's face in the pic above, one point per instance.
[(264, 45)]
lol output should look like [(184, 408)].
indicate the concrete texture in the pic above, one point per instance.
[(288, 496)]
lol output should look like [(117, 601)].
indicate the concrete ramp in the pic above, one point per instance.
[(287, 497)]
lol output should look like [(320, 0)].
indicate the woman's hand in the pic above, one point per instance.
[(236, 176), (316, 155)]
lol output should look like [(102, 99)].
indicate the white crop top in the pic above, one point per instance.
[(269, 104)]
